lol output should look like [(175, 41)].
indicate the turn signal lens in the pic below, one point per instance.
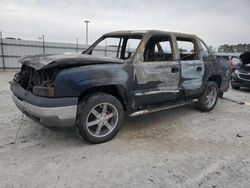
[(44, 91)]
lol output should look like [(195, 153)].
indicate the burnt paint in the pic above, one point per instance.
[(39, 62), (76, 80), (192, 72), (156, 82)]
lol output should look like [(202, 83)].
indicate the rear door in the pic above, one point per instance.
[(192, 66)]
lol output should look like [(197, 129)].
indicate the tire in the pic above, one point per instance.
[(100, 116), (207, 104), (221, 94), (235, 87)]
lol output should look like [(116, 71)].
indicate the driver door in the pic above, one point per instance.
[(157, 74)]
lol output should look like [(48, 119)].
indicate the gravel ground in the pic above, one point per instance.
[(180, 147)]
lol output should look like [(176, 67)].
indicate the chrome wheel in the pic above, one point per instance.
[(211, 96), (102, 119)]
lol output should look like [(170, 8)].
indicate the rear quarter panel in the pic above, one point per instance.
[(217, 66), (224, 67)]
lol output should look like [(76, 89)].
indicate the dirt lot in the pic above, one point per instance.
[(180, 147)]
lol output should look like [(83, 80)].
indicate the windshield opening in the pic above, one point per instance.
[(120, 47)]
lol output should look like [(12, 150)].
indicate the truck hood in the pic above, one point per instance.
[(245, 66), (245, 58), (64, 60)]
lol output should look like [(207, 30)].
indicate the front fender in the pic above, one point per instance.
[(74, 81)]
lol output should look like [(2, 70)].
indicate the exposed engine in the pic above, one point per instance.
[(36, 81)]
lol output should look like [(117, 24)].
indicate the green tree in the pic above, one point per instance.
[(239, 48)]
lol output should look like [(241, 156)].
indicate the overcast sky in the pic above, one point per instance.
[(215, 21)]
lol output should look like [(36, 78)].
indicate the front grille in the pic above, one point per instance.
[(244, 76), (29, 77)]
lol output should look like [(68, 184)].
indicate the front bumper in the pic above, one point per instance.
[(240, 82), (57, 112)]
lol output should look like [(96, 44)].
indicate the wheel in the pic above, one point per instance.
[(208, 100), (100, 117)]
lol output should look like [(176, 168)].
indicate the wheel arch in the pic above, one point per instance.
[(217, 79), (117, 91)]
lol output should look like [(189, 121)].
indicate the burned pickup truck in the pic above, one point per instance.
[(125, 72)]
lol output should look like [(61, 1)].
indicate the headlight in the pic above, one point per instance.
[(237, 72), (44, 91)]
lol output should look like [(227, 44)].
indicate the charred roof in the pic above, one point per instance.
[(143, 32)]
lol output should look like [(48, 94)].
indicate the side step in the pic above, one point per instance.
[(156, 109)]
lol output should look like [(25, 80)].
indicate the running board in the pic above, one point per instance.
[(151, 110)]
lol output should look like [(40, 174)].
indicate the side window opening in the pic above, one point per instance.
[(158, 48), (205, 51), (131, 46), (187, 49)]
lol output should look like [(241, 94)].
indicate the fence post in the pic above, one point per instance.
[(2, 50), (105, 49), (76, 44), (43, 45)]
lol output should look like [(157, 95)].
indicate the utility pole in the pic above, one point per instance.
[(87, 22), (2, 50), (43, 43)]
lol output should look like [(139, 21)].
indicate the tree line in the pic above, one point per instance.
[(237, 48)]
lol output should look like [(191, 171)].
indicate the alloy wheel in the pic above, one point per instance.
[(211, 96), (102, 119)]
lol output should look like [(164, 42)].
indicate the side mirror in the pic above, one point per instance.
[(205, 53), (208, 56)]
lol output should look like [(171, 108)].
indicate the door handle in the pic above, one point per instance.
[(174, 69), (199, 69)]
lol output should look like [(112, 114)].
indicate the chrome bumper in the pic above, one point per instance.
[(48, 116)]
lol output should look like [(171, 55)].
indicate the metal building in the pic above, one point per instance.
[(12, 49)]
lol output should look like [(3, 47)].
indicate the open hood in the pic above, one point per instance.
[(245, 58), (64, 60)]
